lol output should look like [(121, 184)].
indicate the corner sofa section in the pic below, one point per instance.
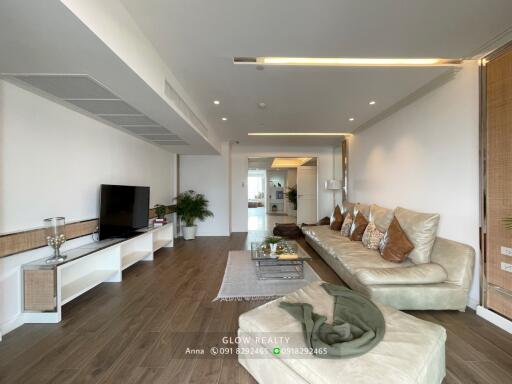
[(443, 283)]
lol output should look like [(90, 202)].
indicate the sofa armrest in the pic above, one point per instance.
[(415, 274)]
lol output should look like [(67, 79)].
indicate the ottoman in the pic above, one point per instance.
[(287, 230), (412, 350)]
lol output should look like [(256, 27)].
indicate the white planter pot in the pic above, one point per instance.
[(189, 233), (273, 248)]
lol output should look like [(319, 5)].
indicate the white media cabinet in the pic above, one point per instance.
[(47, 287)]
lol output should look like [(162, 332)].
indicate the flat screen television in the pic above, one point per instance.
[(123, 210)]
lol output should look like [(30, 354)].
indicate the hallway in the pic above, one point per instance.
[(261, 221)]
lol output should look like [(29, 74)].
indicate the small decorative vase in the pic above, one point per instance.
[(273, 248)]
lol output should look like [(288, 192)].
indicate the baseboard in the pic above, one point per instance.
[(11, 325), (494, 318)]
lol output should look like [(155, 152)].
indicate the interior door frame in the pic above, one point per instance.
[(483, 174), (316, 188)]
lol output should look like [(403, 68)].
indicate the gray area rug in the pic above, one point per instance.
[(240, 281)]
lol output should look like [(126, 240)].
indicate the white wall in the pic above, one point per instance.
[(52, 162), (210, 175), (425, 157), (239, 158)]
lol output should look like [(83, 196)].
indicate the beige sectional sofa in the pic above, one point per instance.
[(441, 283)]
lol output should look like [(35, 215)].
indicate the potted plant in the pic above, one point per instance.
[(160, 211), (191, 206), (292, 196), (272, 242)]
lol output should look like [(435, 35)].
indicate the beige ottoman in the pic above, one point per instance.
[(412, 350)]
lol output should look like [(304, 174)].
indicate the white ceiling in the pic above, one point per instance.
[(195, 40), (198, 39), (46, 38)]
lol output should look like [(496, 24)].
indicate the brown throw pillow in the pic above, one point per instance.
[(324, 221), (358, 227), (395, 245), (336, 219)]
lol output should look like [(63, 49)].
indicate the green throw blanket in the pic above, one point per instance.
[(358, 325)]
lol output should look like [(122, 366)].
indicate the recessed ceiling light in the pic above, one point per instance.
[(224, 118), (347, 62), (262, 105), (298, 134), (216, 102), (372, 102), (351, 119)]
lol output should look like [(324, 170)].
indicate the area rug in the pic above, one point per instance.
[(240, 281)]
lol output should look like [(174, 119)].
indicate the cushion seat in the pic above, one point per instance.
[(412, 350), (352, 254)]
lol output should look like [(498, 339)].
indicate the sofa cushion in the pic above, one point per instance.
[(323, 233), (358, 227), (353, 255), (336, 219), (372, 236), (414, 274), (411, 351), (395, 246), (364, 209), (381, 217), (421, 229), (347, 207)]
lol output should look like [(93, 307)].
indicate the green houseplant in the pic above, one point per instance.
[(292, 196), (191, 206), (272, 242), (160, 211)]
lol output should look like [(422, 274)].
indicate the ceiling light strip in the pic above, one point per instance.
[(299, 134), (347, 62)]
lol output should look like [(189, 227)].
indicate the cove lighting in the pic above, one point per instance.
[(299, 134), (289, 162), (347, 62)]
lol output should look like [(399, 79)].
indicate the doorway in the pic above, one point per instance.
[(281, 190)]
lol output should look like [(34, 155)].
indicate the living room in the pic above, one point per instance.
[(233, 192)]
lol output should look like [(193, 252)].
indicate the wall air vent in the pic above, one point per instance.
[(183, 108), (170, 142), (161, 137), (146, 129), (87, 94)]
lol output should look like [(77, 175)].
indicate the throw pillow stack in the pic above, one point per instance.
[(397, 235)]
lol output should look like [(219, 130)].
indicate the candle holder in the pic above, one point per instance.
[(55, 229)]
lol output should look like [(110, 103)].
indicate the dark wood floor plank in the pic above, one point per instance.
[(137, 331)]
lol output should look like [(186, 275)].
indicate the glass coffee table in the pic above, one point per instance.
[(286, 263)]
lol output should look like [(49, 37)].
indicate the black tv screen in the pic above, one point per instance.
[(123, 210)]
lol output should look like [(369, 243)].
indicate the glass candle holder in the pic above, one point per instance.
[(55, 230)]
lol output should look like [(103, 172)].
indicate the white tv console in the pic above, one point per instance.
[(47, 287)]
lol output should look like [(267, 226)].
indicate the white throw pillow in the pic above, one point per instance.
[(347, 224), (381, 217), (421, 229), (372, 236)]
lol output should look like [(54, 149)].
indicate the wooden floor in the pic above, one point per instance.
[(136, 331)]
